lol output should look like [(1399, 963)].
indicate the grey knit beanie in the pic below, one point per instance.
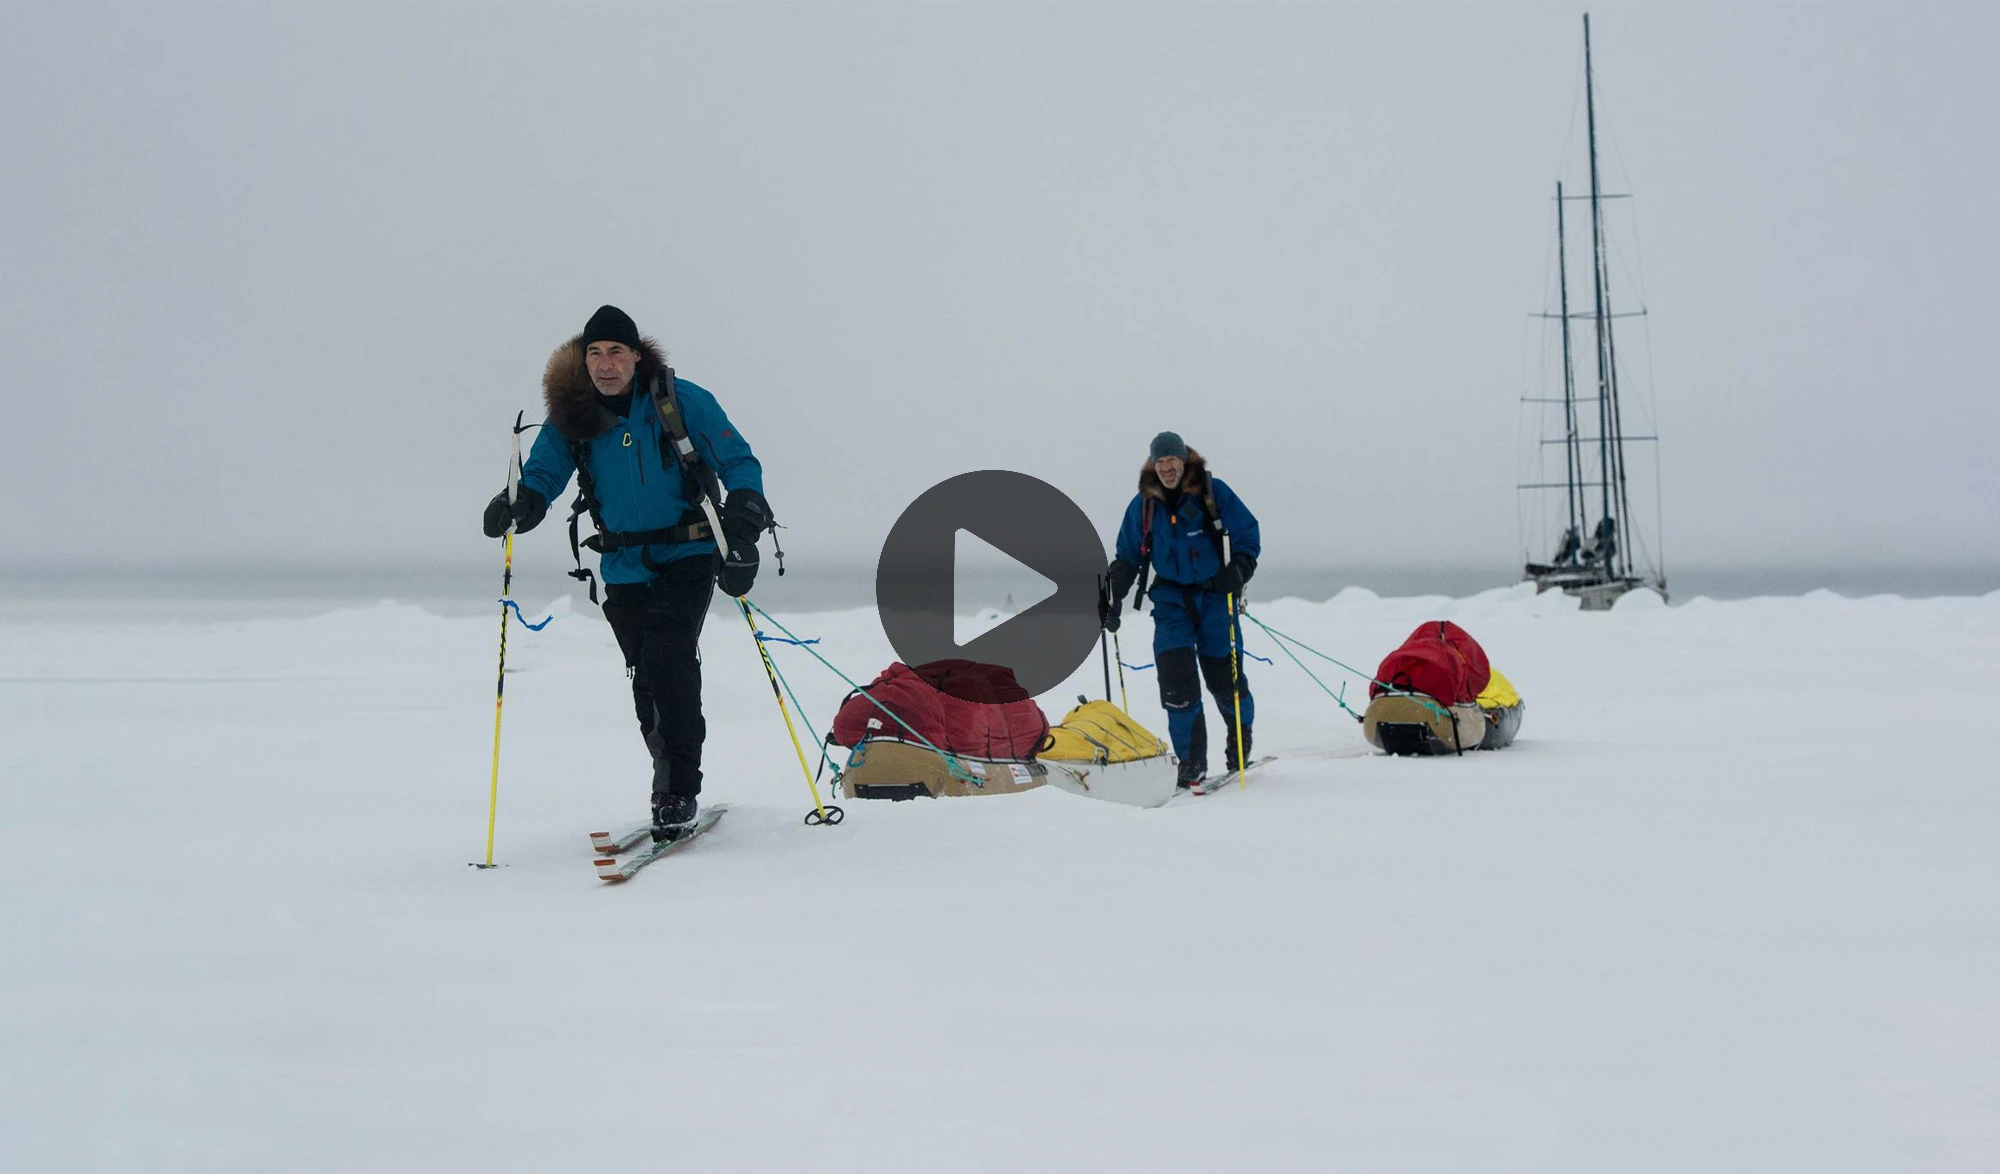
[(1168, 444)]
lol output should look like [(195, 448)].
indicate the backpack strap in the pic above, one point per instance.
[(1216, 530), (586, 501), (695, 474), (1145, 553), (1211, 522)]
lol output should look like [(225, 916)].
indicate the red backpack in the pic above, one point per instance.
[(1440, 660), (956, 705)]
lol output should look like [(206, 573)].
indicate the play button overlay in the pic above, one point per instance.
[(1029, 521), (973, 555)]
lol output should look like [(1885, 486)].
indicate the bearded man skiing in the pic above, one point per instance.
[(646, 449), (1177, 527)]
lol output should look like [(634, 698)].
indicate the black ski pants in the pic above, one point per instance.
[(658, 625)]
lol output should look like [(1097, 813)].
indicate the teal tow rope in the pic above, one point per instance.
[(957, 769), (787, 685), (1339, 698), (1283, 640)]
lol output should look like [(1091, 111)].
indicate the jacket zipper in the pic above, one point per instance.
[(637, 455)]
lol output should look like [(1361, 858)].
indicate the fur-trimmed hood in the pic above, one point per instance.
[(1193, 481), (575, 408)]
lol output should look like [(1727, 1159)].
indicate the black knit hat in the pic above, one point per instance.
[(611, 324)]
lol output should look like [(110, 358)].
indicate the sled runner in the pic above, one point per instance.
[(1100, 752)]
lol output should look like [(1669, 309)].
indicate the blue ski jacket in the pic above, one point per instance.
[(638, 482)]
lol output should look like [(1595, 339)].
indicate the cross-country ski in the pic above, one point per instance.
[(646, 849)]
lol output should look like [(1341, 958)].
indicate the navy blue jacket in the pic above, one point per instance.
[(1184, 552)]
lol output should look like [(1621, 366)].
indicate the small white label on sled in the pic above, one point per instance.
[(1021, 773), (874, 723)]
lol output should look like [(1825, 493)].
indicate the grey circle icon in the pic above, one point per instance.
[(1029, 521)]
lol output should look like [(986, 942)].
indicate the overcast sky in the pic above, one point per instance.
[(278, 277)]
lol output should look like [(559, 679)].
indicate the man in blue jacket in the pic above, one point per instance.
[(615, 412), (1176, 525)]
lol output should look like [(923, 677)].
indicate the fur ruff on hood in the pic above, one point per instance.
[(1194, 480), (575, 408)]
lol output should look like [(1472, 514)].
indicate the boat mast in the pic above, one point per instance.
[(1572, 449), (1611, 440)]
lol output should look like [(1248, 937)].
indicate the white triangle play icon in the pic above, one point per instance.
[(976, 567)]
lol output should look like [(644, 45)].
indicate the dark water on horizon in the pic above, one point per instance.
[(223, 594)]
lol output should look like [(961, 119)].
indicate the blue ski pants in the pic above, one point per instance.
[(1193, 639)]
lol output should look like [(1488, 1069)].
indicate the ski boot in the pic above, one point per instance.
[(672, 814), (1229, 753), (1190, 771), (1194, 767), (673, 806)]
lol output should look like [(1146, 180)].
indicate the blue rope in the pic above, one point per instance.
[(524, 619), (1140, 668), (767, 638)]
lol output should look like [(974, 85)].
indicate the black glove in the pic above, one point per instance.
[(738, 569), (1108, 605), (745, 516), (528, 510), (1120, 575), (1230, 579)]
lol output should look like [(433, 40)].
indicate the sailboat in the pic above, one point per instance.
[(1599, 554)]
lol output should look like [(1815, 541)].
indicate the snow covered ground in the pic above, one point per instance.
[(1731, 903)]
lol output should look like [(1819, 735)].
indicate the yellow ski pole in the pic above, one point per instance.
[(1236, 688), (821, 813), (1235, 668), (1119, 656), (499, 696), (506, 593)]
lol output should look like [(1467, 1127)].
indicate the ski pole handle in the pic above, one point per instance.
[(721, 539), (514, 462)]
